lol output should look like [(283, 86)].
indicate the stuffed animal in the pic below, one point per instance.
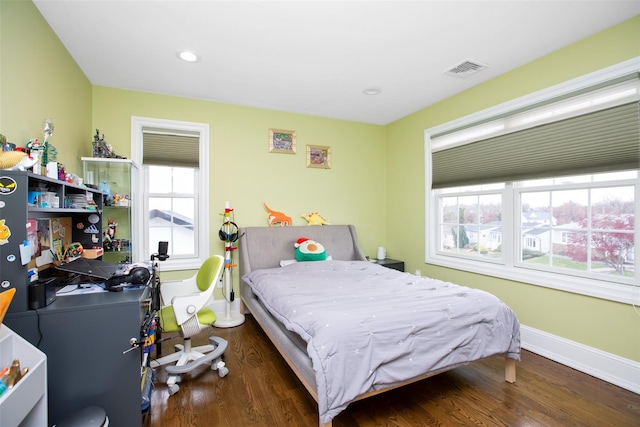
[(314, 218), (16, 160), (309, 250), (276, 217)]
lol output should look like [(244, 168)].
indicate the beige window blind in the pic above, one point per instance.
[(170, 148), (601, 141)]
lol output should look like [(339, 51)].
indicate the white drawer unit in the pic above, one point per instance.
[(25, 404)]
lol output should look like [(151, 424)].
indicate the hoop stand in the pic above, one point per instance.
[(230, 318)]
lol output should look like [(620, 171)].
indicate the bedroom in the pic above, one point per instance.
[(40, 79)]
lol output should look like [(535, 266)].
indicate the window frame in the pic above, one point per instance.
[(508, 268), (202, 185)]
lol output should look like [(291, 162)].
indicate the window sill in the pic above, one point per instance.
[(628, 294), (180, 264)]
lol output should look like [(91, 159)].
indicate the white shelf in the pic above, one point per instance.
[(26, 403)]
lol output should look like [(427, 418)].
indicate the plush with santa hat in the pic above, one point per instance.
[(309, 250)]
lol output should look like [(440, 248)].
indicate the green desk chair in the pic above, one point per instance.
[(188, 314)]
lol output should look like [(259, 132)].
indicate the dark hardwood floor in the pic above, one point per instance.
[(261, 390)]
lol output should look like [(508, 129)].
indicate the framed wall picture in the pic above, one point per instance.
[(318, 156), (282, 141)]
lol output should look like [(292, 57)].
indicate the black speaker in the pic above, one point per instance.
[(42, 293), (230, 236)]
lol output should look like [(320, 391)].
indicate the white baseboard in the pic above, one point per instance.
[(614, 369)]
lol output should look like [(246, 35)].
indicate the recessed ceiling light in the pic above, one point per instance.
[(188, 56), (372, 91)]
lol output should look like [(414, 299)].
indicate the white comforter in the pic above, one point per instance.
[(368, 327)]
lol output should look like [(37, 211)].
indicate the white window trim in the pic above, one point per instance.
[(137, 125), (591, 287)]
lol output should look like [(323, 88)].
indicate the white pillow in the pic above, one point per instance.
[(285, 262)]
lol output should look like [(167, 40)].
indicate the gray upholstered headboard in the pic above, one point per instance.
[(264, 247)]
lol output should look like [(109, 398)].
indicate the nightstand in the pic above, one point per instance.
[(391, 263)]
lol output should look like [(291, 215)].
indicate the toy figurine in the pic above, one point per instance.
[(110, 233), (16, 160)]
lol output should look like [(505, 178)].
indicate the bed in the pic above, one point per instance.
[(350, 329)]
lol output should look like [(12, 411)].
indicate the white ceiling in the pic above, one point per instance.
[(317, 57)]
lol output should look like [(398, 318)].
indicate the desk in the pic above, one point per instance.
[(84, 337)]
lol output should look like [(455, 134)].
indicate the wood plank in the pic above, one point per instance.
[(261, 390)]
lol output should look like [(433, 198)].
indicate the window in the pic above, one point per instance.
[(547, 194), (171, 200), (175, 189), (581, 225), (470, 222), (588, 227)]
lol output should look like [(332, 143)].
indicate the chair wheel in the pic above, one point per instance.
[(223, 372), (173, 389)]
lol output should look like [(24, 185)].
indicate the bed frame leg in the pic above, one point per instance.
[(510, 370)]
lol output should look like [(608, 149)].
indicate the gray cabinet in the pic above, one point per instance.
[(68, 222), (84, 338)]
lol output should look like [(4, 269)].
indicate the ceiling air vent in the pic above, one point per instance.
[(466, 68)]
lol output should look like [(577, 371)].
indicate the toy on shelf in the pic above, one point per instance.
[(35, 149), (49, 152), (314, 218), (6, 145), (109, 241), (106, 191), (103, 149), (121, 200), (74, 251), (16, 160), (276, 217)]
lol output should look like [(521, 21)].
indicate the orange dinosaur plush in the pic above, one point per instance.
[(276, 217)]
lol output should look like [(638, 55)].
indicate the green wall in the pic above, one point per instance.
[(40, 80), (610, 326), (246, 174), (377, 178)]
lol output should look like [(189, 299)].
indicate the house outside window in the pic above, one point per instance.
[(496, 215), (582, 225)]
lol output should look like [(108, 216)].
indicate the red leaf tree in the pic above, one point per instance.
[(607, 245)]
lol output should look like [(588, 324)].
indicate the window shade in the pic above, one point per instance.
[(170, 149), (606, 140)]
